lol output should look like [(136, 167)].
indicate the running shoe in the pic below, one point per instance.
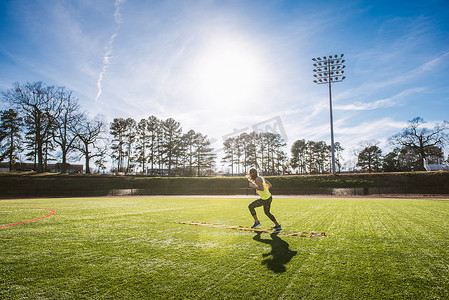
[(255, 225), (277, 227)]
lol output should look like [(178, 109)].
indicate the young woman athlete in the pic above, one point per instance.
[(262, 187)]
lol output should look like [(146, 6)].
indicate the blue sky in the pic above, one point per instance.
[(224, 66)]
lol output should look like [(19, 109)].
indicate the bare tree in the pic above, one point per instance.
[(89, 133), (41, 106), (68, 122), (101, 154), (421, 139)]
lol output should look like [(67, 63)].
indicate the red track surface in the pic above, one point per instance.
[(28, 221)]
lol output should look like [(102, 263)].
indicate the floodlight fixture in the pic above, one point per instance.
[(332, 73)]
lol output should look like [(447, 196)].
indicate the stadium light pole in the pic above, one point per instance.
[(329, 70)]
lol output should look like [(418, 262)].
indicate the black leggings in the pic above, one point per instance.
[(266, 207)]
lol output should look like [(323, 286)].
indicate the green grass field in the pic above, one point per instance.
[(132, 248)]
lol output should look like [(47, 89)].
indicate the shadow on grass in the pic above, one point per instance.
[(280, 254)]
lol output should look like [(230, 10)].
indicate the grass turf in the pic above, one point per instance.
[(130, 248)]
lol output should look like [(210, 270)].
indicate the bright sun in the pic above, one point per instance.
[(227, 74)]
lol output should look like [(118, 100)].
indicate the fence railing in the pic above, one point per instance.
[(16, 193)]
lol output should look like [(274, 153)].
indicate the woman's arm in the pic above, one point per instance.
[(268, 183)]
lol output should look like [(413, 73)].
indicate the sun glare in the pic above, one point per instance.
[(228, 73)]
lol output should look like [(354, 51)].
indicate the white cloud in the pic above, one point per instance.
[(108, 53), (141, 61), (106, 62), (370, 129), (117, 14), (395, 100), (434, 63)]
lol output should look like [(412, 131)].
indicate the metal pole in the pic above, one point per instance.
[(331, 120), (329, 70)]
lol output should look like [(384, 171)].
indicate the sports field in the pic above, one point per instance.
[(133, 248)]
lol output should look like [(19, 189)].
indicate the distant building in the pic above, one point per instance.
[(52, 168), (157, 172), (435, 167)]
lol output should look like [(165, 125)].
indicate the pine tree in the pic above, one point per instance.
[(10, 137)]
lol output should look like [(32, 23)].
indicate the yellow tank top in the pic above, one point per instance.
[(265, 194)]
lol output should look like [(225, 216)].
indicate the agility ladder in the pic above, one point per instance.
[(246, 228)]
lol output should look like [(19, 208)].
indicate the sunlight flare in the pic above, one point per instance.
[(228, 73)]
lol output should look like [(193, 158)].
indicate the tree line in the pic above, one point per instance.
[(414, 146), (158, 147), (44, 119), (310, 157), (262, 150), (46, 123)]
